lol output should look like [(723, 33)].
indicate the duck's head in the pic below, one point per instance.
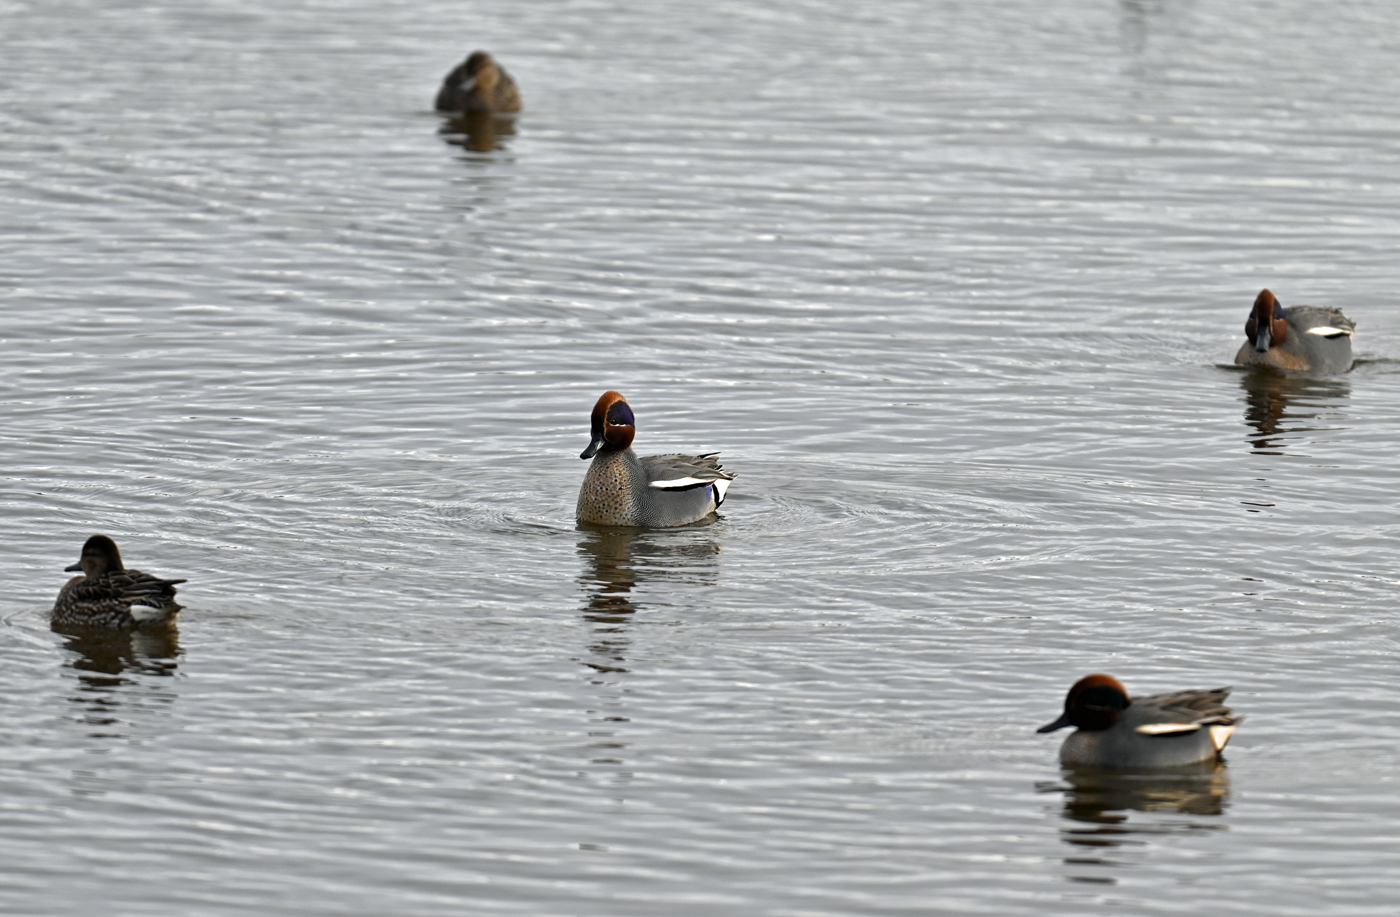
[(100, 555), (613, 425), (1266, 327), (1094, 702), (482, 72)]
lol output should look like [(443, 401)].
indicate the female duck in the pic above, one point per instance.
[(108, 595), (1307, 338), (658, 490), (478, 84), (1161, 730)]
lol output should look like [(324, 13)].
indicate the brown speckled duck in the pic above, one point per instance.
[(478, 84), (1303, 338), (658, 490), (109, 595)]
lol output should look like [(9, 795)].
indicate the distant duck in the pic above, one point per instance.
[(1305, 338), (658, 490), (108, 595), (478, 84), (1160, 730)]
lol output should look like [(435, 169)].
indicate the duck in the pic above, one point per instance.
[(111, 596), (655, 491), (1304, 338), (478, 84), (1158, 730)]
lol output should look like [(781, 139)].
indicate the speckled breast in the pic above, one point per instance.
[(609, 495)]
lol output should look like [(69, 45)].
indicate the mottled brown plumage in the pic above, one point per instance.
[(478, 84), (108, 595)]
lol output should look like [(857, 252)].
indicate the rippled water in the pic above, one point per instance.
[(954, 288)]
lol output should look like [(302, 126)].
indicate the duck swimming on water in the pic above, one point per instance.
[(658, 490), (1159, 730), (109, 595), (1304, 338), (478, 84)]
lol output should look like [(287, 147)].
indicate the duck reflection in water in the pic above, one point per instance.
[(1136, 23), (106, 661), (617, 561), (1100, 806), (477, 131), (1279, 405), (608, 580)]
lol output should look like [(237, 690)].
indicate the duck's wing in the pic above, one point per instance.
[(136, 588), (1326, 321), (685, 472), (1185, 712)]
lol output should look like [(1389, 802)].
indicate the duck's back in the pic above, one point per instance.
[(1305, 318)]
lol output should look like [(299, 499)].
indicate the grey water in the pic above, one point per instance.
[(953, 287)]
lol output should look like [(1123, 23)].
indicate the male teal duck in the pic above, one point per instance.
[(478, 84), (1160, 730), (109, 595), (1305, 338), (655, 491)]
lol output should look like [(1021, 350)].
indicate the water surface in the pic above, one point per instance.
[(954, 288)]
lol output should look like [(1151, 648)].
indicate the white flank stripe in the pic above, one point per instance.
[(1161, 729), (677, 483), (1328, 331)]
